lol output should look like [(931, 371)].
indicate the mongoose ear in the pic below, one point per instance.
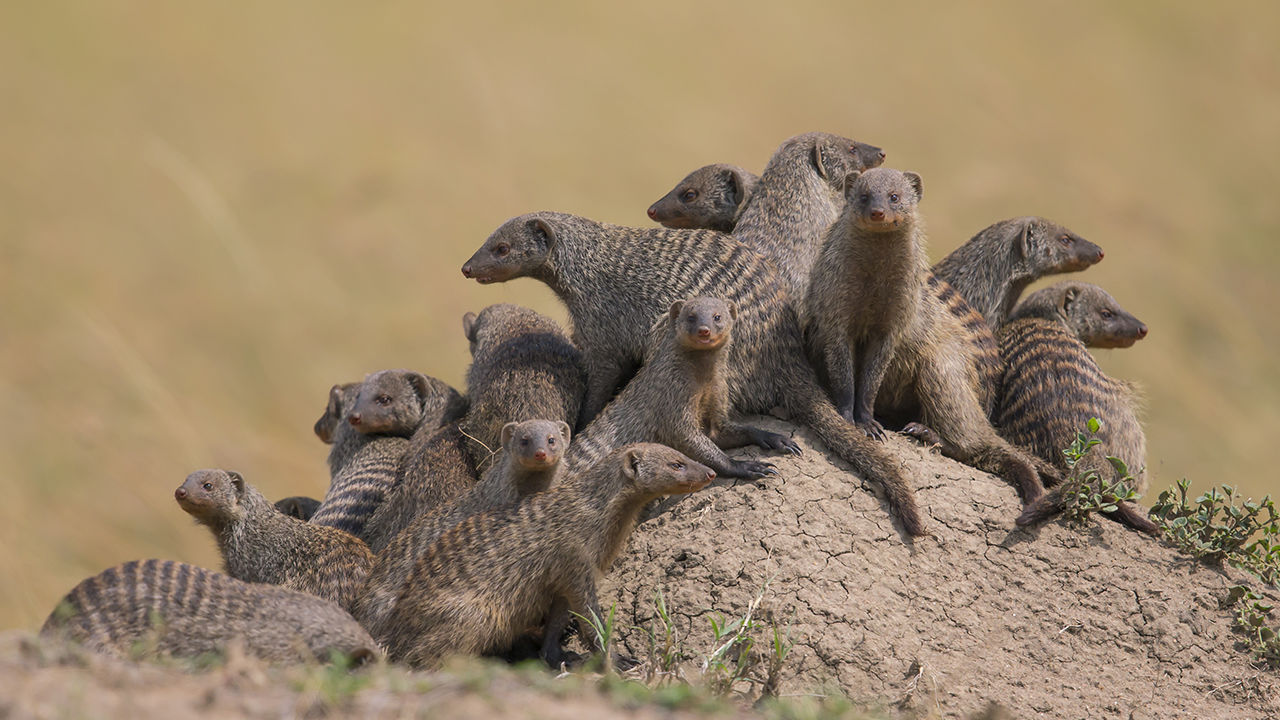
[(674, 311), (1024, 239), (335, 402), (469, 326), (421, 386), (237, 481), (737, 186), (818, 162), (1069, 299), (733, 309), (507, 431), (565, 431), (917, 184), (849, 181), (543, 230), (631, 463)]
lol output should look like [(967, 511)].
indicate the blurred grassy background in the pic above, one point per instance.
[(211, 213)]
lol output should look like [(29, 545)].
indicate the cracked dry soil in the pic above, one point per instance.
[(1055, 621)]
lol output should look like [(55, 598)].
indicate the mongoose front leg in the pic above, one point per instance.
[(838, 357), (733, 435), (874, 355), (557, 620), (701, 448)]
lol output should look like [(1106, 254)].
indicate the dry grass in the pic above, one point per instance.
[(210, 214)]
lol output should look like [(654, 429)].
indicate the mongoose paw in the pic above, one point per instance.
[(623, 663), (873, 429), (752, 469), (779, 443), (922, 433)]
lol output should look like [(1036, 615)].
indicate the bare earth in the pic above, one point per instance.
[(1098, 622)]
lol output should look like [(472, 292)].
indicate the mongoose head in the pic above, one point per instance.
[(1046, 247), (832, 157), (494, 326), (650, 470), (536, 445), (882, 199), (710, 198), (213, 497), (1088, 311), (702, 323), (516, 249), (341, 397), (397, 402)]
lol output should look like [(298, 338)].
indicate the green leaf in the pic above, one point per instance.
[(1094, 424)]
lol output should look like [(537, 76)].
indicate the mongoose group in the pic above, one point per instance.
[(456, 522)]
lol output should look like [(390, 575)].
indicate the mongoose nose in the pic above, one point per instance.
[(180, 493), (354, 418), (653, 214), (466, 270), (880, 155), (877, 214), (1142, 331), (540, 455), (704, 332), (711, 475), (1100, 254)]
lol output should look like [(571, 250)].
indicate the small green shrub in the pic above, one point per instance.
[(1218, 527), (1251, 620), (1088, 492)]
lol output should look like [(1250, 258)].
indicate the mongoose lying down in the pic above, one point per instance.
[(161, 607), (490, 577)]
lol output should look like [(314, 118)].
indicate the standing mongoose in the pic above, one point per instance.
[(523, 367), (798, 198), (298, 506), (1052, 387), (615, 280), (680, 397), (886, 341), (259, 544), (490, 577), (997, 264), (711, 198), (174, 609), (384, 410), (528, 463), (1088, 311)]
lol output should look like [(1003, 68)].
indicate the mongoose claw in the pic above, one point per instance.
[(922, 433), (779, 443), (623, 663), (873, 429), (752, 469)]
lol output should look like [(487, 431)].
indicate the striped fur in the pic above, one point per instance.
[(615, 280), (170, 608), (359, 486), (1052, 386), (499, 572), (259, 544)]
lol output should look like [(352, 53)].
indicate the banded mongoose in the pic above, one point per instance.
[(993, 268), (1088, 311), (798, 198), (1052, 387), (489, 578), (888, 344), (174, 609), (711, 198), (385, 409), (298, 506), (259, 544), (680, 397), (615, 280), (523, 367), (333, 429), (528, 463)]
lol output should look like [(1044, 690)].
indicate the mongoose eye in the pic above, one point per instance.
[(207, 486), (1065, 239), (524, 442), (864, 197), (677, 466), (689, 195), (717, 317), (893, 197), (1107, 314), (383, 399), (501, 250)]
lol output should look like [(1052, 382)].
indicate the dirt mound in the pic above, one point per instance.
[(1055, 621)]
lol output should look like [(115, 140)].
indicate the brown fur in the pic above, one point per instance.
[(529, 462), (711, 197), (888, 344), (168, 608), (259, 544), (490, 577), (1052, 387), (680, 398), (1088, 311)]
